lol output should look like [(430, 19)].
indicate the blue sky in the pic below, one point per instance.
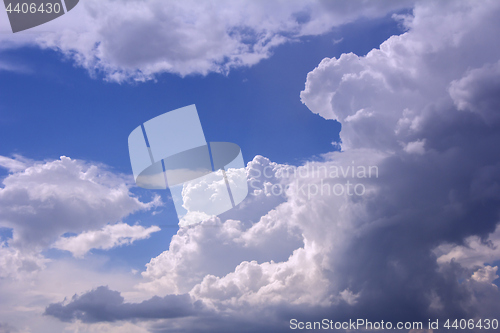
[(410, 87)]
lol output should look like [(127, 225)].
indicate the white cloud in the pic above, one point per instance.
[(487, 274), (415, 147), (473, 253), (48, 199), (361, 113), (297, 281), (191, 252), (19, 265), (263, 252), (349, 297), (402, 75), (139, 39), (108, 237), (16, 164)]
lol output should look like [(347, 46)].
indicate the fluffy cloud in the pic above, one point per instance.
[(428, 98), (40, 202), (473, 253), (191, 252), (48, 199), (108, 237), (14, 263), (477, 91), (396, 85), (415, 109), (138, 39), (486, 275)]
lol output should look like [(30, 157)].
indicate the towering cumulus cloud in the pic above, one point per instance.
[(416, 242), (429, 99)]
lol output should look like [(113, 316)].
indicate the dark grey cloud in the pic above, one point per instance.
[(105, 305)]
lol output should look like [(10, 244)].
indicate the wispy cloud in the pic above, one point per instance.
[(108, 237)]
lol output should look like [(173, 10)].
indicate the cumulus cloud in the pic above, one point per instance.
[(191, 251), (48, 199), (423, 92), (486, 275), (474, 251), (108, 237), (477, 91), (413, 108), (139, 39), (396, 84), (15, 263)]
